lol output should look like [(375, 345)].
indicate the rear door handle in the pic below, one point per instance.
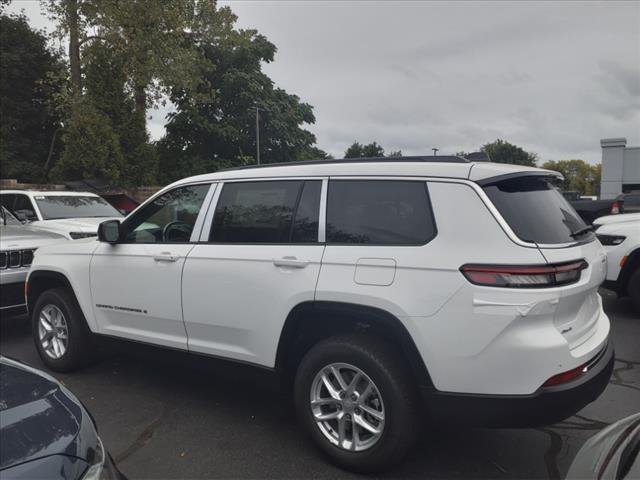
[(290, 262), (165, 257)]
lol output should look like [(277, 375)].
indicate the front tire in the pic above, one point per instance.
[(356, 400), (61, 335), (634, 289)]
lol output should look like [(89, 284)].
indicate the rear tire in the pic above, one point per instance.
[(60, 332), (633, 288), (382, 398)]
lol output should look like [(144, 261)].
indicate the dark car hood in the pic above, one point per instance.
[(39, 417)]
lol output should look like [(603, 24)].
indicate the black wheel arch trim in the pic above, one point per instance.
[(356, 317), (47, 275), (630, 266)]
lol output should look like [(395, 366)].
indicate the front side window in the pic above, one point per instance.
[(267, 212), (382, 212), (55, 207), (169, 218), (23, 208)]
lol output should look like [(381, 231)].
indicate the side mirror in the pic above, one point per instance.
[(109, 231), (20, 215)]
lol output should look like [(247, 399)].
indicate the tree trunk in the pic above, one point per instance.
[(140, 99), (74, 47)]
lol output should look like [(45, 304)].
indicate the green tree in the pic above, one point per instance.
[(215, 128), (502, 151), (92, 148), (156, 40), (358, 150), (108, 95), (148, 47), (27, 125), (578, 175)]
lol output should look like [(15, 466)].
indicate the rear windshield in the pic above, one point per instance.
[(536, 210), (59, 206)]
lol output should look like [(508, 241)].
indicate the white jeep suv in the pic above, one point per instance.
[(384, 290)]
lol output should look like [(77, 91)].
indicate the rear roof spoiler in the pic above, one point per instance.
[(557, 176)]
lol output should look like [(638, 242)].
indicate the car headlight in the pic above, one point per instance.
[(610, 239), (96, 469)]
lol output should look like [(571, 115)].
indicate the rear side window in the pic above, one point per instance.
[(267, 212), (382, 212), (536, 210)]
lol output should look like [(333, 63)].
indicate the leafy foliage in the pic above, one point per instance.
[(502, 151), (215, 127), (578, 175), (92, 149), (108, 94), (125, 57), (28, 125), (357, 150)]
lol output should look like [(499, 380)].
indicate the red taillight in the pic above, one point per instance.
[(615, 208), (565, 376), (524, 276)]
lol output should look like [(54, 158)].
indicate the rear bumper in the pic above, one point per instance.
[(546, 406)]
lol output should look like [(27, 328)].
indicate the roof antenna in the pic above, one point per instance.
[(435, 151)]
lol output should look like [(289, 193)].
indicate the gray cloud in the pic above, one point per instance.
[(621, 76), (455, 75)]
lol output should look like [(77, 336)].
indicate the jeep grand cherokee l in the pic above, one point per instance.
[(384, 290)]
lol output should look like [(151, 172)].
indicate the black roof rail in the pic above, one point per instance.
[(415, 158)]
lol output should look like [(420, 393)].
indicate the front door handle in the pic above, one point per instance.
[(290, 262), (165, 257)]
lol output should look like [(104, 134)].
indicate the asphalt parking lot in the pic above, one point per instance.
[(163, 414)]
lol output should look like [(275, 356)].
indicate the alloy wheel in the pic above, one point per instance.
[(347, 407), (53, 331)]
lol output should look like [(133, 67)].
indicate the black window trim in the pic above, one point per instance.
[(207, 200), (324, 198), (208, 224), (382, 179)]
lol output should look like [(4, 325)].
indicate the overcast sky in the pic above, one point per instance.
[(552, 77)]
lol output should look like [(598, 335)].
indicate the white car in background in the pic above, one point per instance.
[(620, 236), (72, 214)]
